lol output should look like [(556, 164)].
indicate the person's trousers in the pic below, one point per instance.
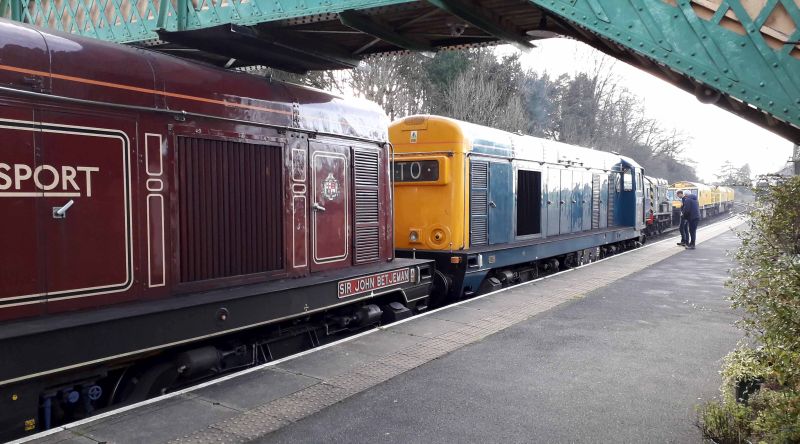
[(684, 229), (693, 231)]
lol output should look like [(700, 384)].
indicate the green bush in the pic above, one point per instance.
[(777, 418), (726, 421), (765, 287)]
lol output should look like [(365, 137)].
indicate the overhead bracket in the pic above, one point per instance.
[(481, 19), (368, 25), (278, 48)]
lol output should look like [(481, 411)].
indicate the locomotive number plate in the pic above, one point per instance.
[(373, 282)]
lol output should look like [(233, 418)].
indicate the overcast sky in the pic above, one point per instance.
[(715, 135)]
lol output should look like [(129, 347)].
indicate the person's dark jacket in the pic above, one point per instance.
[(690, 208), (683, 207)]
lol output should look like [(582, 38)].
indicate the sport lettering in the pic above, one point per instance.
[(19, 177)]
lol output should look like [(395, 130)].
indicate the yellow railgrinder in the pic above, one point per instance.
[(431, 211), (704, 193), (712, 200)]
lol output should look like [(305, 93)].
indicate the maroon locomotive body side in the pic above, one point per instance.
[(139, 185)]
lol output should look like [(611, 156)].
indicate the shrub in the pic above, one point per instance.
[(726, 421), (765, 287)]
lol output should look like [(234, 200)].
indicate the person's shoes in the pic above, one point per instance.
[(681, 244), (690, 247)]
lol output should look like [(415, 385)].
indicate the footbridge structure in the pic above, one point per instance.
[(741, 55)]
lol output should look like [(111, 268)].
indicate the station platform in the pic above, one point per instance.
[(620, 350)]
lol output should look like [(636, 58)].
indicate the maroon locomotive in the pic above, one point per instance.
[(152, 207)]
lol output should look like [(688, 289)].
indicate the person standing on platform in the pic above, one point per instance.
[(684, 226), (691, 212)]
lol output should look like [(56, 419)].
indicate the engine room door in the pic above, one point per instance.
[(330, 205), (86, 211), (22, 288), (552, 201), (577, 202), (565, 202), (639, 178), (501, 202), (587, 203)]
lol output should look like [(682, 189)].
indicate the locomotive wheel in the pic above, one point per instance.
[(148, 382), (442, 284)]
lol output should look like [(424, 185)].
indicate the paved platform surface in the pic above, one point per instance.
[(619, 351)]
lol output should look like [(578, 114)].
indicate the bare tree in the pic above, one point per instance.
[(589, 108), (481, 95), (390, 82)]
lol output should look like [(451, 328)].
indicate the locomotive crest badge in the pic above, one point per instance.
[(330, 187)]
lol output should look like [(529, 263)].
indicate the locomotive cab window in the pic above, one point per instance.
[(416, 171), (627, 180), (529, 199)]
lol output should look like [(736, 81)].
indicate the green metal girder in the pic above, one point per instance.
[(368, 25), (741, 66), (476, 16), (130, 21)]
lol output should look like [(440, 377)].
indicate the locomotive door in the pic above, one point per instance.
[(501, 202), (614, 188), (587, 201), (577, 202), (553, 198), (603, 201), (85, 216), (565, 226), (20, 261), (639, 199), (329, 167)]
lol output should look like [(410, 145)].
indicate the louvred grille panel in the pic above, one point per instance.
[(478, 203), (366, 175), (229, 196)]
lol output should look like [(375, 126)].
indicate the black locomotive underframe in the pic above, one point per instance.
[(37, 353)]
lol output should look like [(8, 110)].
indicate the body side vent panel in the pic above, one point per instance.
[(366, 177), (230, 208), (595, 201), (479, 203)]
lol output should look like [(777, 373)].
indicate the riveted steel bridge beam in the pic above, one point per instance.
[(730, 56), (383, 31), (482, 18), (742, 55), (277, 48)]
